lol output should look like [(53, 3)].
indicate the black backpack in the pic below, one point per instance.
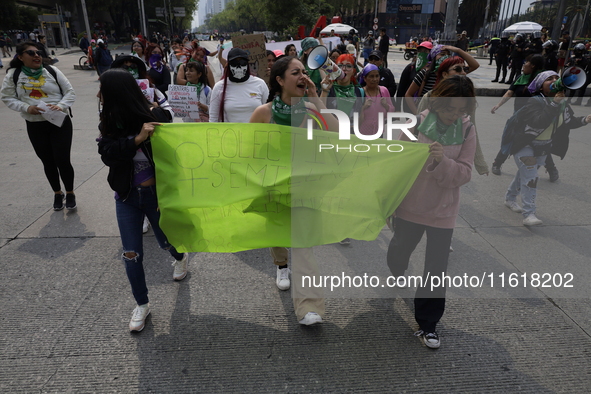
[(51, 70)]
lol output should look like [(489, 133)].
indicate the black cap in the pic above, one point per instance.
[(376, 53), (237, 53), (118, 62)]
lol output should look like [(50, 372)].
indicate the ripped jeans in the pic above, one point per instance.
[(526, 179), (130, 217)]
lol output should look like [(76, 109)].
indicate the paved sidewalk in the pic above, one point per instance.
[(65, 302)]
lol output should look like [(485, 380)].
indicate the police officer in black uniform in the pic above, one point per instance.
[(502, 57)]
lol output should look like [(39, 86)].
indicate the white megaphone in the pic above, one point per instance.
[(318, 59), (572, 78)]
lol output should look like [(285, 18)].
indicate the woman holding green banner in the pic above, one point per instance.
[(127, 122), (432, 203), (290, 82)]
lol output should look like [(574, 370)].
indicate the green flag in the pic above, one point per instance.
[(229, 187)]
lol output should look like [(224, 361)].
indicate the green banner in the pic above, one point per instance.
[(229, 187)]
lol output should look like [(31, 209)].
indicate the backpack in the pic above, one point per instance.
[(17, 73), (105, 58), (203, 116)]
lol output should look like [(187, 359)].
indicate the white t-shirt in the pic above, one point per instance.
[(242, 98)]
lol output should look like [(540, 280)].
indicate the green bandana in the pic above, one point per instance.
[(439, 61), (134, 71), (524, 79), (32, 73), (314, 76), (282, 113), (445, 135), (345, 97), (421, 60), (198, 84)]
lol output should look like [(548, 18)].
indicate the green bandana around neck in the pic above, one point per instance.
[(282, 113), (199, 85), (344, 91), (524, 79), (345, 97), (32, 73), (453, 135), (134, 71)]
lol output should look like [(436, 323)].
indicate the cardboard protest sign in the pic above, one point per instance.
[(183, 100), (329, 42), (144, 84), (254, 45)]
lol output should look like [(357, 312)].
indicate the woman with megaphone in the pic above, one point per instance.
[(544, 126), (290, 82)]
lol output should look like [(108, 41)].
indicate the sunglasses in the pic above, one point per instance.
[(373, 59), (347, 66), (459, 69), (32, 53)]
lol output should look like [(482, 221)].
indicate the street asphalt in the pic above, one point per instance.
[(65, 301)]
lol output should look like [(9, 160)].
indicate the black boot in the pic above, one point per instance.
[(496, 168), (553, 173), (502, 80), (495, 80)]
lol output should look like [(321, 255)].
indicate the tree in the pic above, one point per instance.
[(15, 17)]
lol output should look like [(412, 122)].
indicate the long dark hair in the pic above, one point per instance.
[(225, 78), (20, 50), (125, 108), (150, 49), (278, 70), (200, 68)]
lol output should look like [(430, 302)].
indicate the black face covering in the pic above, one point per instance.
[(238, 70)]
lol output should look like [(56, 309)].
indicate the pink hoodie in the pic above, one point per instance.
[(434, 198)]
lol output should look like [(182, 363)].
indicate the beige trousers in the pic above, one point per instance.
[(305, 299)]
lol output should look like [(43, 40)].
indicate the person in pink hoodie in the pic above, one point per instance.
[(432, 203)]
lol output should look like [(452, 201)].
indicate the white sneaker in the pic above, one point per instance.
[(283, 282), (512, 205), (138, 319), (431, 339), (311, 318), (532, 220), (180, 267), (146, 225)]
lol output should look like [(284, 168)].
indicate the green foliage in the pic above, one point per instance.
[(282, 16), (14, 17), (545, 16)]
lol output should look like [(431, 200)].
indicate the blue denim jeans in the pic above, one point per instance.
[(142, 201), (526, 179)]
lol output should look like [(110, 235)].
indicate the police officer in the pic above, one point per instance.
[(579, 59), (550, 55), (502, 57), (534, 47), (494, 44), (517, 56)]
